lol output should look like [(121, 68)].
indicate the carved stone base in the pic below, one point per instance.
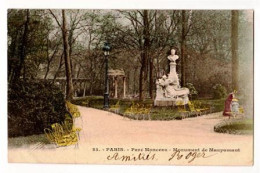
[(170, 101), (164, 103)]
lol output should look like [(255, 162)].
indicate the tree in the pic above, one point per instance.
[(74, 32), (144, 55), (65, 54), (208, 45), (140, 41), (186, 24), (22, 50), (149, 33), (183, 45), (27, 45), (69, 88), (234, 47)]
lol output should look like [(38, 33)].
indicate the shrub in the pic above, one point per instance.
[(216, 105), (219, 91), (193, 92), (33, 106)]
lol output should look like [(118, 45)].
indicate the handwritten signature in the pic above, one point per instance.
[(191, 156)]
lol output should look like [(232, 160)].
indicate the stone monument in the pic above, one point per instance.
[(168, 89)]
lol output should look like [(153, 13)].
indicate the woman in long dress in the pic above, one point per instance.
[(227, 110)]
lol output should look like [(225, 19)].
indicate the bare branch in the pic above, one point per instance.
[(55, 18)]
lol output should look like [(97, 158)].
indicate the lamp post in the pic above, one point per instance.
[(106, 50)]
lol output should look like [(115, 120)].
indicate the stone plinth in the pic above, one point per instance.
[(164, 102), (170, 101)]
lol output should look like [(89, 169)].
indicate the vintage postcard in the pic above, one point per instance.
[(130, 87)]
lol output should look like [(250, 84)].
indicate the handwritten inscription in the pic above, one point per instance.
[(178, 155), (188, 155), (133, 157), (191, 156)]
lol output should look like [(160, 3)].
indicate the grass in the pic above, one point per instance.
[(14, 142), (235, 126), (216, 104), (157, 113)]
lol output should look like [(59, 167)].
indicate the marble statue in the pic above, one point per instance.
[(173, 57), (159, 89), (168, 88)]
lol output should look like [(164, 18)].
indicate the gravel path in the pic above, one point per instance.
[(104, 130)]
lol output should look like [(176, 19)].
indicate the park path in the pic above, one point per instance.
[(101, 129)]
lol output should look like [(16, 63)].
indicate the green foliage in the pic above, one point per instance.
[(219, 91), (35, 45), (193, 92), (164, 113), (216, 104), (207, 45), (33, 106), (157, 113), (237, 126)]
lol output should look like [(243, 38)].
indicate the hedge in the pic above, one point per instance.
[(33, 106)]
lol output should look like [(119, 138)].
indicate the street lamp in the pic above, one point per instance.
[(106, 49)]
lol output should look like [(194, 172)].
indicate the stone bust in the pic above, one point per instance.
[(173, 57)]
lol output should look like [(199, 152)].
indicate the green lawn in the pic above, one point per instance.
[(235, 126), (157, 113), (24, 141)]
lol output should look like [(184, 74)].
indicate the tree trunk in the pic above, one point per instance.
[(70, 41), (69, 88), (151, 83), (234, 47), (134, 81), (183, 47), (144, 55), (11, 57), (141, 77), (58, 70), (22, 48), (48, 61), (151, 78)]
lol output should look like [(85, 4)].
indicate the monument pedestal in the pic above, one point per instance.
[(170, 101), (164, 102), (168, 89)]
